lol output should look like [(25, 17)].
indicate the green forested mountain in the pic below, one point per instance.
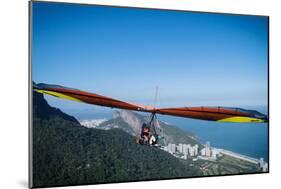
[(42, 110), (65, 153)]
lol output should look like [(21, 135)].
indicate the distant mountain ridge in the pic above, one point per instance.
[(131, 122)]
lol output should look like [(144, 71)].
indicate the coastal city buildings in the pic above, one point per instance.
[(206, 152), (171, 148), (263, 165)]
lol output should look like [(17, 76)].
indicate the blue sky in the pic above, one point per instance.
[(195, 59)]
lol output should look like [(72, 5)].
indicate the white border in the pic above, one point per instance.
[(14, 95)]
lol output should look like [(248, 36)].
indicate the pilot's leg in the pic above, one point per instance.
[(152, 140)]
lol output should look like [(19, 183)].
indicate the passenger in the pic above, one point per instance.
[(153, 140)]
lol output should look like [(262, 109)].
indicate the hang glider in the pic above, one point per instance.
[(220, 114)]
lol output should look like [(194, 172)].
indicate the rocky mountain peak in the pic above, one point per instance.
[(131, 122)]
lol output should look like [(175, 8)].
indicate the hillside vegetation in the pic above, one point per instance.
[(65, 153)]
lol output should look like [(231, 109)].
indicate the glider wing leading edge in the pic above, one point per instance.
[(86, 97)]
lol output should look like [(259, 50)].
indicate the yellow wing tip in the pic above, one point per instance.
[(240, 119), (56, 94)]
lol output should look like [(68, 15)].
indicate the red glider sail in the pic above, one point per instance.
[(86, 97), (221, 114)]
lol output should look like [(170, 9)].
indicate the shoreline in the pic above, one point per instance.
[(239, 156)]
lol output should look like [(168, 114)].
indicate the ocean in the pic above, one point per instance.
[(250, 139)]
